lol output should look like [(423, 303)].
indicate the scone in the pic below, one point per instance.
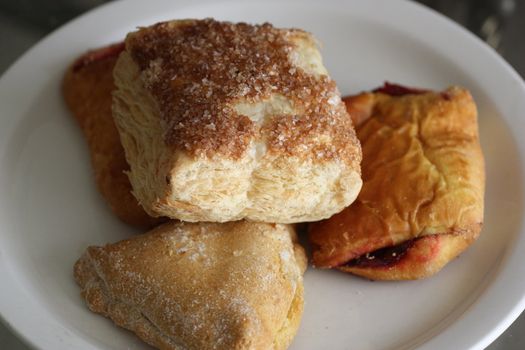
[(87, 89), (200, 286), (423, 185), (224, 121)]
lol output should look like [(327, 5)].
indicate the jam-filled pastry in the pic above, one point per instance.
[(423, 184), (224, 121), (87, 89), (200, 286)]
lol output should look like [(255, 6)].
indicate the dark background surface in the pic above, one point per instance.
[(500, 23)]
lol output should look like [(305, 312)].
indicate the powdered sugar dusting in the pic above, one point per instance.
[(198, 284)]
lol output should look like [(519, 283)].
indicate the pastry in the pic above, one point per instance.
[(87, 88), (423, 184), (223, 121), (200, 286)]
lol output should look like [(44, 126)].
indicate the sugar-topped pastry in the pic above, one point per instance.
[(222, 121), (236, 285)]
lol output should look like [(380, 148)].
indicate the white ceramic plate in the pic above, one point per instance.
[(50, 210)]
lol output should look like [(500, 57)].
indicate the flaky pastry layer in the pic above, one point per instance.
[(224, 121)]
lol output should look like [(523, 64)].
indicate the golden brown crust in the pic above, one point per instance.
[(200, 286), (199, 69), (87, 88), (423, 174)]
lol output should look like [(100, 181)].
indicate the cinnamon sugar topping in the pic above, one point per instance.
[(198, 70)]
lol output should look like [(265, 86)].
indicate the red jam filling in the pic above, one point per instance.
[(398, 90), (383, 257), (97, 55)]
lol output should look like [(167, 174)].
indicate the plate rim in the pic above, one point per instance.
[(511, 250)]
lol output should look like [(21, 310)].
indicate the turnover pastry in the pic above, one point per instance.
[(224, 121), (423, 184), (87, 89), (200, 286)]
